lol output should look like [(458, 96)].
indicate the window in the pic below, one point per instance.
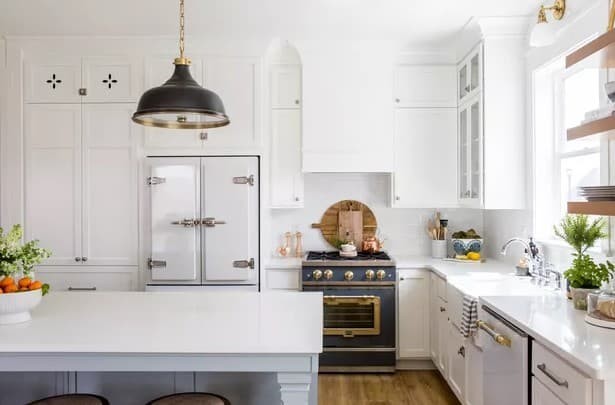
[(561, 100)]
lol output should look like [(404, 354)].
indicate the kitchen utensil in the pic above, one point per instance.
[(329, 223), (371, 245), (299, 244)]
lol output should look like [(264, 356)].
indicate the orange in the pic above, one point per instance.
[(1, 291), (6, 281), (23, 289), (36, 285), (10, 288), (25, 282)]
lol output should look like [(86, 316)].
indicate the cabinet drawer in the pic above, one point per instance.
[(88, 280), (283, 279), (542, 396), (561, 378), (455, 305), (441, 288)]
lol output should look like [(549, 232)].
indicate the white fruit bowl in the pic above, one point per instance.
[(15, 307)]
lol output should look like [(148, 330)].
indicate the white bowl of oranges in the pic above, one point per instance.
[(17, 298)]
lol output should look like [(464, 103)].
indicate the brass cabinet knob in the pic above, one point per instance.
[(317, 274), (328, 274), (349, 275), (369, 274)]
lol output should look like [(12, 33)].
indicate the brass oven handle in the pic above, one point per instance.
[(543, 367), (330, 299), (498, 338)]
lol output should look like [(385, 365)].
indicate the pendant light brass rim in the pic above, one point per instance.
[(150, 122)]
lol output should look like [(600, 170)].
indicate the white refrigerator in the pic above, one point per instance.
[(204, 221)]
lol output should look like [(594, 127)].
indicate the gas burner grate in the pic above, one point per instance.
[(335, 255)]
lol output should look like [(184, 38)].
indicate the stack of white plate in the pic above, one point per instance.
[(598, 193)]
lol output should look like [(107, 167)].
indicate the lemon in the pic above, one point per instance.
[(474, 256)]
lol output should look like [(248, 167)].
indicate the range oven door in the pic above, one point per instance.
[(358, 316)]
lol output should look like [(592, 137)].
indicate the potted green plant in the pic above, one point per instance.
[(584, 276)]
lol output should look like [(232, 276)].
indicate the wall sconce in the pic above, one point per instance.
[(544, 33)]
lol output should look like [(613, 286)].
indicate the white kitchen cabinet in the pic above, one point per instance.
[(425, 158), (285, 86), (470, 159), (286, 176), (283, 279), (470, 74), (425, 86), (456, 371), (103, 278), (82, 80), (80, 182), (413, 313), (542, 396), (443, 326), (434, 331), (474, 373)]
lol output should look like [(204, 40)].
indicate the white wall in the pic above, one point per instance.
[(404, 229)]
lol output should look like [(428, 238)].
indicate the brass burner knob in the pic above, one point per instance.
[(381, 274), (317, 274), (349, 275), (328, 274), (369, 274)]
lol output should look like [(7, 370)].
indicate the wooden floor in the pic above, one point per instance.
[(401, 388)]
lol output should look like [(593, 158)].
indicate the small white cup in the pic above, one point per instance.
[(348, 248), (438, 249)]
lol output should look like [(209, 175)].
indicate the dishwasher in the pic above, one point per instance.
[(505, 360)]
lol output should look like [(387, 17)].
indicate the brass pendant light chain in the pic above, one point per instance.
[(182, 60)]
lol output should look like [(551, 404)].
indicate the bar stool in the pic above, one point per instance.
[(191, 398), (72, 399)]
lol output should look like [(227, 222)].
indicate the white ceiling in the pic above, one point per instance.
[(412, 20)]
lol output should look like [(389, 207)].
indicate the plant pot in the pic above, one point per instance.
[(579, 297)]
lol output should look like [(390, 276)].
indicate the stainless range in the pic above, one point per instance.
[(359, 310)]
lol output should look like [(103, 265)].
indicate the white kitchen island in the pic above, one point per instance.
[(183, 334)]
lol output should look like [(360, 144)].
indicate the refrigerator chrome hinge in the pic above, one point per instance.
[(244, 264), (152, 181), (83, 91), (156, 264), (244, 180)]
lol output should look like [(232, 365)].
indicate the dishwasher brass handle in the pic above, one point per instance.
[(498, 338), (543, 367)]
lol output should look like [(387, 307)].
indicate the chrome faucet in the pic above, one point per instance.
[(532, 253)]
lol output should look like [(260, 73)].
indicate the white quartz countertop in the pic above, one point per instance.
[(170, 322), (552, 320)]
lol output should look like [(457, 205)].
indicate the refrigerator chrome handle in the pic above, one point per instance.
[(244, 264), (497, 338), (244, 180), (211, 222), (186, 222), (152, 264)]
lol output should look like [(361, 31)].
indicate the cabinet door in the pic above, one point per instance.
[(53, 179), (425, 86), (434, 308), (237, 82), (470, 74), (230, 196), (111, 79), (286, 176), (471, 153), (175, 196), (542, 396), (110, 207), (157, 71), (425, 158), (474, 374), (457, 362), (443, 326), (286, 86), (52, 81), (413, 314)]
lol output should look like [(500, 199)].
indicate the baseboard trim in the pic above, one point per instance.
[(415, 365)]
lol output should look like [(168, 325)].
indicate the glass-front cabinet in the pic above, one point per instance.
[(471, 152), (469, 75)]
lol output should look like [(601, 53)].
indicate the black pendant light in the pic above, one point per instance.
[(181, 103)]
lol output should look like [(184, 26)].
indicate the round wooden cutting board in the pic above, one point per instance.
[(347, 219)]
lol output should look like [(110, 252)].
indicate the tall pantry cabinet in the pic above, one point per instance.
[(80, 170)]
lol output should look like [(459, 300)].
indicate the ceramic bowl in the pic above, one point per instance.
[(348, 248), (465, 246), (15, 307)]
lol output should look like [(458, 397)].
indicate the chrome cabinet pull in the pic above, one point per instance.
[(497, 338), (442, 309), (186, 222), (77, 259), (543, 367), (462, 351), (244, 264), (211, 222), (84, 259), (82, 288), (244, 180)]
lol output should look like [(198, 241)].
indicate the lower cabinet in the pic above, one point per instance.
[(89, 279), (438, 323), (283, 279), (457, 362), (542, 396), (414, 308)]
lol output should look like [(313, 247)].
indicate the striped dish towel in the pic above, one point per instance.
[(469, 316)]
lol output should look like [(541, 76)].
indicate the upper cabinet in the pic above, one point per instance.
[(237, 80), (82, 80), (286, 86), (425, 86), (491, 115)]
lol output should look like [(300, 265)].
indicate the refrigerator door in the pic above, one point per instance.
[(175, 202), (230, 222)]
